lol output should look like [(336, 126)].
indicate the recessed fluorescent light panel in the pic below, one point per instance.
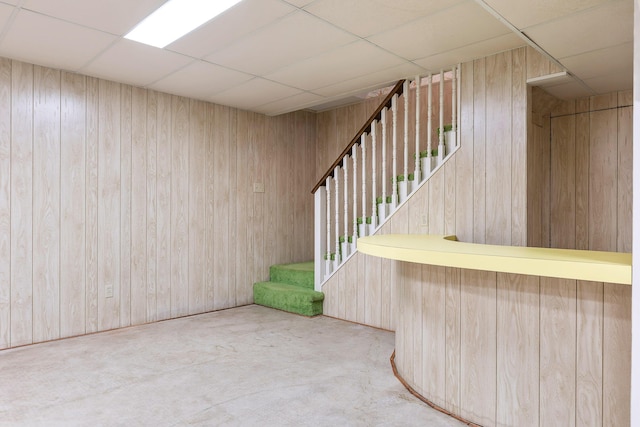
[(176, 18)]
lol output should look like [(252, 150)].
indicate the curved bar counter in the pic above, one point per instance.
[(503, 335), (447, 251)]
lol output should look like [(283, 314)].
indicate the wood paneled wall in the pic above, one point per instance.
[(120, 205), (513, 350), (505, 349), (580, 155), (479, 194)]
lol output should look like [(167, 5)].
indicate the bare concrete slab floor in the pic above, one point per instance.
[(248, 366)]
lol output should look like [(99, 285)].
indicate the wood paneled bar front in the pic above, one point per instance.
[(507, 336)]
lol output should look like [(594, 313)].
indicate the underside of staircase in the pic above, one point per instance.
[(290, 288)]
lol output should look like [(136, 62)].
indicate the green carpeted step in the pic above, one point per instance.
[(291, 298), (298, 274)]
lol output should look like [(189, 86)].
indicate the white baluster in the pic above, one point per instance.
[(427, 165), (394, 151), (374, 178), (454, 110), (328, 263), (336, 176), (344, 246), (382, 207), (404, 184), (458, 71), (354, 238), (441, 132), (362, 228), (416, 172)]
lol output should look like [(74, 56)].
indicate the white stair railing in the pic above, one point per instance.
[(382, 207)]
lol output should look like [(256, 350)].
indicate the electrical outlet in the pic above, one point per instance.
[(424, 220), (108, 291), (258, 187)]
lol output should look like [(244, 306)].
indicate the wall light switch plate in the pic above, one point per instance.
[(258, 187), (108, 291)]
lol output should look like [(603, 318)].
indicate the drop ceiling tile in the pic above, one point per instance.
[(253, 93), (42, 40), (372, 81), (292, 103), (363, 18), (596, 28), (614, 81), (571, 90), (462, 25), (601, 62), (293, 38), (244, 18), (5, 13), (135, 63), (200, 80), (299, 3), (113, 16), (470, 52), (525, 13), (345, 63), (13, 2)]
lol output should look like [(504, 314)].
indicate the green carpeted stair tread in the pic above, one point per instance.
[(298, 274), (291, 298)]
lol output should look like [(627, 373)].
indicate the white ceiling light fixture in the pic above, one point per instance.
[(176, 18)]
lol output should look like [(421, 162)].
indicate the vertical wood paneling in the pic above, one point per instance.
[(625, 178), (563, 183), (109, 205), (479, 151), (233, 210), (518, 148), (557, 362), (46, 206), (434, 324), (21, 204), (616, 355), (372, 302), (257, 163), (163, 212), (197, 210), (464, 157), (125, 205), (5, 202), (582, 181), (72, 205), (589, 353), (151, 198), (518, 350), (478, 346), (453, 333), (179, 206), (244, 247), (603, 160), (91, 226), (498, 128), (138, 305)]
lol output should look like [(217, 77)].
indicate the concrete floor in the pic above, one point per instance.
[(245, 366)]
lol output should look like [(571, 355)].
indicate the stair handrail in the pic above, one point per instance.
[(366, 128)]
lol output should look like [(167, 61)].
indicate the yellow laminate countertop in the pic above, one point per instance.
[(596, 266)]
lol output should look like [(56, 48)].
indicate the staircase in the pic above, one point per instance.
[(290, 289)]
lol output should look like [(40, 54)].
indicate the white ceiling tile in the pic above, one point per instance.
[(200, 80), (51, 42), (113, 16), (372, 81), (365, 18), (525, 13), (293, 103), (244, 18), (592, 29), (449, 29), (5, 12), (293, 38), (253, 93), (613, 81), (347, 62), (135, 63), (601, 62), (472, 51), (299, 3)]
